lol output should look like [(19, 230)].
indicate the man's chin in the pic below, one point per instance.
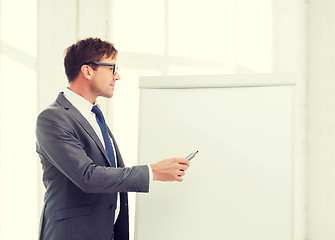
[(108, 95)]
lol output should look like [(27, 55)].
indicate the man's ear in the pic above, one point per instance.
[(87, 71)]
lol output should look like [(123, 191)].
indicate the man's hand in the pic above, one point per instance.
[(170, 169)]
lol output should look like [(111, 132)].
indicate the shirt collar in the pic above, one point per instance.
[(79, 102)]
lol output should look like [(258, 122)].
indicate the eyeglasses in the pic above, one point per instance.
[(115, 68)]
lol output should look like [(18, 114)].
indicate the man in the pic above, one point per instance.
[(85, 178)]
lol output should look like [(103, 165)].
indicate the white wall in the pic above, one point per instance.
[(321, 121), (290, 20)]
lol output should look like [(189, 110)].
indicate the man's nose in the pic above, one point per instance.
[(117, 76)]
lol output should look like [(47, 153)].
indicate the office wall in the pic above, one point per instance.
[(290, 44), (321, 121)]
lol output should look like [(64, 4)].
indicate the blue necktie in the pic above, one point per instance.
[(103, 127)]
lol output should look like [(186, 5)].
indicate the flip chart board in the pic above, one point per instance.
[(240, 184)]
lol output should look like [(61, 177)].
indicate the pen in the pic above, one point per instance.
[(192, 155)]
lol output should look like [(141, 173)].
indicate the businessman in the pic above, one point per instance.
[(85, 177)]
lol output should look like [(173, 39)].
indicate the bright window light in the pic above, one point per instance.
[(18, 108)]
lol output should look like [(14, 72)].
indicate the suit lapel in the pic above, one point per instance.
[(82, 121)]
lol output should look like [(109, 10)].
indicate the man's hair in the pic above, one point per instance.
[(86, 50)]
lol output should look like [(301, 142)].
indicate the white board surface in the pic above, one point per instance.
[(239, 186)]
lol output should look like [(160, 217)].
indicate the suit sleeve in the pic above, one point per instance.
[(56, 141)]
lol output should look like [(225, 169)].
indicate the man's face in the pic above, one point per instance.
[(103, 81)]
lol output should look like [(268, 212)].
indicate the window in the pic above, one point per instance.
[(18, 160)]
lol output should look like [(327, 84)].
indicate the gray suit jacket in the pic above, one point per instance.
[(80, 184)]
